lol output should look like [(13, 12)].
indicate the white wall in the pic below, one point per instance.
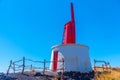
[(76, 57)]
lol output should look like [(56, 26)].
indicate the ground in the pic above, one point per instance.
[(113, 75)]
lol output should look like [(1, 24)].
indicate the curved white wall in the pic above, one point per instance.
[(76, 57)]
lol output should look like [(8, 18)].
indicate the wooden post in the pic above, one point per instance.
[(63, 64), (31, 68), (9, 67), (110, 68), (44, 66), (94, 65), (62, 76), (23, 65), (14, 67)]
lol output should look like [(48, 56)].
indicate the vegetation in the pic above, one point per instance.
[(114, 74)]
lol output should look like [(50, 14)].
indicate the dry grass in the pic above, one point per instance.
[(113, 75)]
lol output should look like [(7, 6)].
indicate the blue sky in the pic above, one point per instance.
[(31, 27)]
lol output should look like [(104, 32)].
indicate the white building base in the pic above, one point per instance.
[(76, 57)]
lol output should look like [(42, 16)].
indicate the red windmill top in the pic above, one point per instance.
[(69, 30)]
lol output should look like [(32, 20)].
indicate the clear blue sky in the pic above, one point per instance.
[(31, 27)]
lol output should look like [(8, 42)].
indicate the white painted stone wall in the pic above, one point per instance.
[(76, 57)]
